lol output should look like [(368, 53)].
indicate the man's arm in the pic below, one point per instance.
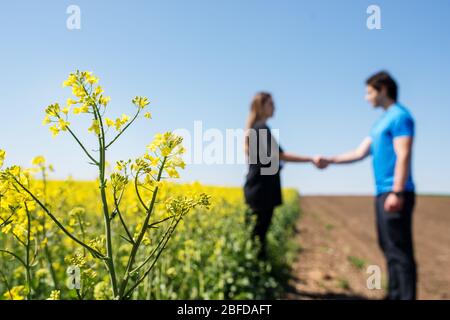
[(358, 154), (403, 151)]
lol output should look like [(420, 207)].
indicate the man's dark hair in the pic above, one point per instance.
[(384, 80)]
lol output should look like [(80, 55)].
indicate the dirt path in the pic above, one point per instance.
[(338, 243)]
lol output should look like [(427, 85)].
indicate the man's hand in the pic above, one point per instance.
[(393, 203), (321, 162)]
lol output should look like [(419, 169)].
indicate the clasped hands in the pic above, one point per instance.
[(321, 162)]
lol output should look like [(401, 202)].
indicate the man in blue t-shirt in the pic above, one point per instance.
[(390, 144)]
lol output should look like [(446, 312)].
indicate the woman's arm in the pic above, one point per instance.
[(290, 157)]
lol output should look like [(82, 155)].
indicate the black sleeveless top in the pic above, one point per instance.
[(263, 191)]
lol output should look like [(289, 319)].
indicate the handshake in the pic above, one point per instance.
[(321, 162)]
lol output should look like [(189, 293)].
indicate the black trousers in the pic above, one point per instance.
[(396, 242), (263, 220)]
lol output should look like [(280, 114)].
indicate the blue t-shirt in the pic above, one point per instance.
[(395, 122)]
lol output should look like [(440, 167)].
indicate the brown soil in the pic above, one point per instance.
[(338, 242)]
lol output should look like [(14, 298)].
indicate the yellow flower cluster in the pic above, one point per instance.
[(2, 157), (54, 295), (88, 98), (53, 115), (118, 123), (140, 102), (164, 155), (15, 293)]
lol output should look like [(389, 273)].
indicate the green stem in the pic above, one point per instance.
[(141, 235), (47, 252), (123, 130), (122, 221), (27, 257), (137, 191), (82, 146), (83, 236), (63, 229), (142, 278), (6, 222), (161, 221), (50, 264), (5, 280), (168, 232), (14, 255), (107, 220)]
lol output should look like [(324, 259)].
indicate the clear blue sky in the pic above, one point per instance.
[(204, 60)]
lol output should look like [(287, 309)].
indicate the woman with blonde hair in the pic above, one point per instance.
[(262, 187)]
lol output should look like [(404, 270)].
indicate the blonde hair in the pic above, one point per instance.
[(257, 113)]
